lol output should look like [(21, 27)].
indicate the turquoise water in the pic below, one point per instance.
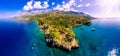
[(19, 38), (92, 43), (105, 38)]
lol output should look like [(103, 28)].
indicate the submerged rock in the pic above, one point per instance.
[(33, 48)]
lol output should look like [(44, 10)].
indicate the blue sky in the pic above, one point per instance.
[(92, 7), (14, 5), (8, 7), (11, 5)]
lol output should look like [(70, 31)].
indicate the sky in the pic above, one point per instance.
[(96, 8)]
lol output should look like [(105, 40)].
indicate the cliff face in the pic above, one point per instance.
[(65, 40), (57, 27)]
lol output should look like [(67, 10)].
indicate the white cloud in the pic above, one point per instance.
[(59, 7), (71, 5), (65, 7), (53, 3), (28, 6), (45, 5), (63, 2), (88, 4), (37, 5)]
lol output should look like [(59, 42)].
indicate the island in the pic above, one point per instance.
[(57, 27)]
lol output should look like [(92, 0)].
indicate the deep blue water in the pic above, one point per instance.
[(17, 39)]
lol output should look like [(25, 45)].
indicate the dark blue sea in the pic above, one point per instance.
[(23, 38), (16, 37)]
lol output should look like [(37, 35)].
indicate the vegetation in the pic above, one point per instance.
[(60, 21)]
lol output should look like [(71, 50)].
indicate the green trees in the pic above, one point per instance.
[(60, 21), (54, 33), (86, 21)]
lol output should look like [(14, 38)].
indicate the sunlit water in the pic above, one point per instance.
[(24, 39)]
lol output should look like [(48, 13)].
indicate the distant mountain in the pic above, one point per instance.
[(77, 13), (80, 13), (37, 12)]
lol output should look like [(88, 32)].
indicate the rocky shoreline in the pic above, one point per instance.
[(65, 42)]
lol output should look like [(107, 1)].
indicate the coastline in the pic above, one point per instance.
[(59, 34)]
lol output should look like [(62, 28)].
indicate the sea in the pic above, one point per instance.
[(24, 38)]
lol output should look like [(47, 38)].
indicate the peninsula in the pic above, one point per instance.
[(57, 27)]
